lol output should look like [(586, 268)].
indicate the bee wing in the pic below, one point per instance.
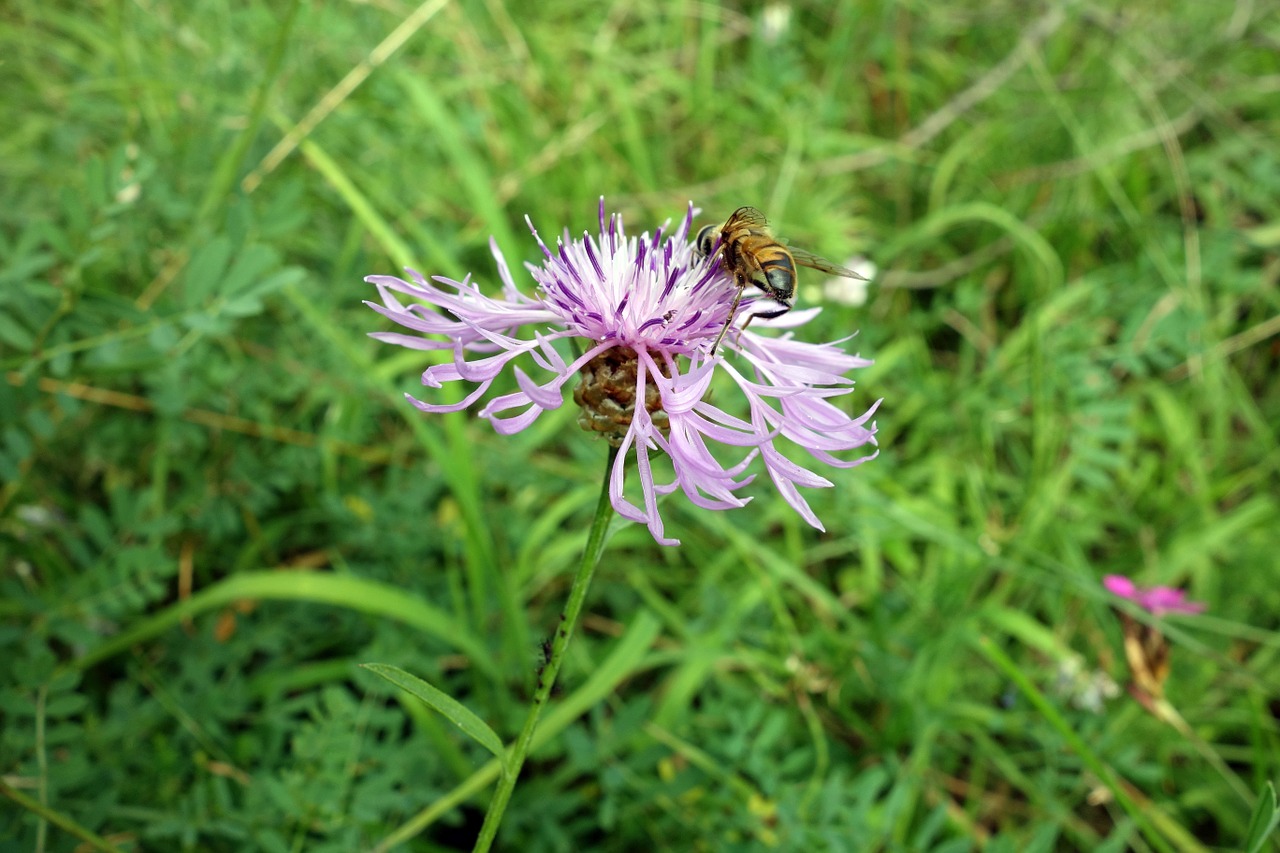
[(812, 261), (749, 217)]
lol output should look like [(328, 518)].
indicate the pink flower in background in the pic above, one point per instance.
[(645, 312), (1159, 599)]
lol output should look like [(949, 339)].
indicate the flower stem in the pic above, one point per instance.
[(547, 680)]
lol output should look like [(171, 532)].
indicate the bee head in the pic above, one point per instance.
[(705, 241)]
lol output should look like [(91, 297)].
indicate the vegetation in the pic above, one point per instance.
[(215, 503)]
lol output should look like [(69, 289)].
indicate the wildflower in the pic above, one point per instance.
[(1086, 689), (644, 312), (1146, 648), (1159, 600), (775, 21)]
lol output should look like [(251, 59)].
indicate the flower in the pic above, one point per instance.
[(1086, 689), (1159, 599), (644, 312)]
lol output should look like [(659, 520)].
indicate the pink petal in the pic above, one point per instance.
[(1119, 585)]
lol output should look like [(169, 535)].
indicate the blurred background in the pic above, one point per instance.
[(215, 502)]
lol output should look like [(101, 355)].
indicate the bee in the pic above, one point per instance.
[(750, 252)]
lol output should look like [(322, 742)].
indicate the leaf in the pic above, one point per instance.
[(462, 717), (1026, 629), (1264, 821), (206, 270), (1264, 236), (13, 334), (249, 266), (359, 594), (247, 301)]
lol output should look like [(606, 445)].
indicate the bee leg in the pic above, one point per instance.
[(764, 315), (729, 322)]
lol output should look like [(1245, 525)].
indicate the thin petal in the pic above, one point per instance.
[(444, 408)]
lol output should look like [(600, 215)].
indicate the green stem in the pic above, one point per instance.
[(1145, 816), (57, 818), (568, 620)]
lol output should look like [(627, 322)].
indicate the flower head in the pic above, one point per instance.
[(1159, 600), (644, 312)]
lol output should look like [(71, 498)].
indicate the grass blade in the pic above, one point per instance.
[(368, 596), (1264, 821), (624, 661), (461, 716)]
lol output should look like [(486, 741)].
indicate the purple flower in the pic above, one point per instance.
[(1159, 599), (644, 312)]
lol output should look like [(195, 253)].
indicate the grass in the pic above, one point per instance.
[(215, 503)]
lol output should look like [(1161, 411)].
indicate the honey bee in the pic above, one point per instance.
[(750, 252)]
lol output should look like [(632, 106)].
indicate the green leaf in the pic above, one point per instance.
[(249, 266), (359, 594), (1026, 629), (1264, 821), (462, 717), (1264, 236), (625, 660), (13, 334), (207, 268)]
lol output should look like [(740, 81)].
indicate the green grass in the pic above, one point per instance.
[(1076, 215)]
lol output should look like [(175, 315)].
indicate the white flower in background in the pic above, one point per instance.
[(850, 291), (774, 22)]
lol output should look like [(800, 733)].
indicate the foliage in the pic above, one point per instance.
[(1076, 221)]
